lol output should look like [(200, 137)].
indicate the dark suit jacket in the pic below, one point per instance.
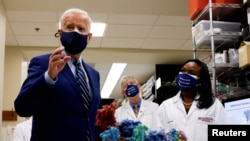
[(56, 109)]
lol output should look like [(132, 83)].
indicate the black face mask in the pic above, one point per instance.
[(74, 42)]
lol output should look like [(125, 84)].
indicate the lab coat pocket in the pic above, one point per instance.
[(170, 124)]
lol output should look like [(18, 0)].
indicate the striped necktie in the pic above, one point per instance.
[(82, 81), (86, 98)]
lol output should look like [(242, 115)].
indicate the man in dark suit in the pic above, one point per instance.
[(51, 93)]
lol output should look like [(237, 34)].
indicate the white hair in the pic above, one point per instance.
[(126, 77), (72, 10)]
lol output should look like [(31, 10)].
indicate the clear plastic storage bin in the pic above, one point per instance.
[(225, 32)]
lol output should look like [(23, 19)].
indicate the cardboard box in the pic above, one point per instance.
[(244, 55)]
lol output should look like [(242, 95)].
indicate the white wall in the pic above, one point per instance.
[(12, 80), (2, 46), (2, 52)]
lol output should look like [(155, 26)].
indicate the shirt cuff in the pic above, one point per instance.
[(48, 79)]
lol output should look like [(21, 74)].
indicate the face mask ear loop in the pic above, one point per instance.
[(58, 33)]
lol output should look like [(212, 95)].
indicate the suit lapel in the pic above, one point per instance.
[(67, 73)]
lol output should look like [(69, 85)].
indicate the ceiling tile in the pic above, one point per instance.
[(132, 19), (32, 16), (174, 21), (171, 32), (174, 7), (46, 41), (117, 31), (29, 28), (121, 42), (99, 17), (162, 44)]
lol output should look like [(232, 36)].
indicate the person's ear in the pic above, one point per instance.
[(89, 37)]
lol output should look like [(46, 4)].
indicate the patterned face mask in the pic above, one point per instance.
[(186, 81), (131, 90)]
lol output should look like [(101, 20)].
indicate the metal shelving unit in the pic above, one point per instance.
[(216, 12)]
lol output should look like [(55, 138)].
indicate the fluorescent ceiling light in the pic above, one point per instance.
[(98, 29), (112, 78)]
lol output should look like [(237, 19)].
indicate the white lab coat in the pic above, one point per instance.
[(146, 114), (172, 114), (22, 131)]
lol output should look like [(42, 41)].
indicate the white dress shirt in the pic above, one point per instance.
[(22, 131)]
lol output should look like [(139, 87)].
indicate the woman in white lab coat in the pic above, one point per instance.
[(136, 108), (194, 106), (22, 131)]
